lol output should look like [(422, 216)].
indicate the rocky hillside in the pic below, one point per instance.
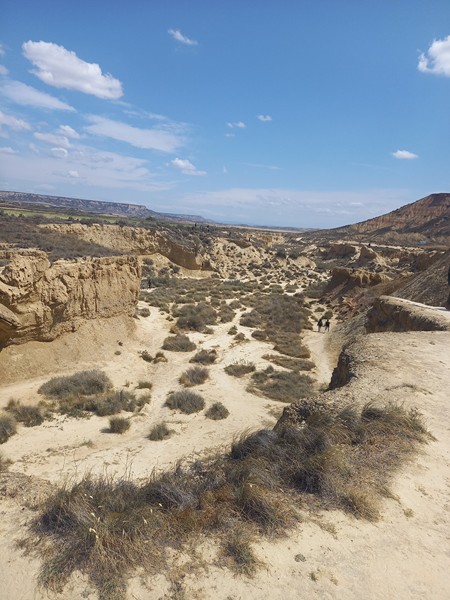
[(95, 206), (40, 301), (430, 286)]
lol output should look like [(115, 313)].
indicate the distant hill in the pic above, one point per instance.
[(429, 216), (120, 209)]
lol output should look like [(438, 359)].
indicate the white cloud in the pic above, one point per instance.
[(157, 139), (241, 125), (8, 150), (28, 96), (404, 154), (69, 132), (59, 152), (73, 174), (13, 123), (263, 166), (225, 170), (229, 135), (3, 70), (181, 38), (33, 148), (263, 118), (186, 167), (438, 59), (62, 68), (2, 52), (54, 140)]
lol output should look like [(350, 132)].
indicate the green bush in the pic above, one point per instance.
[(186, 401)]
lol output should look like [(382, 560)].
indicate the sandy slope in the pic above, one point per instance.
[(401, 557)]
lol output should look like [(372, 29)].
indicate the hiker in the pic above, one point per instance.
[(327, 326), (319, 324), (149, 283), (447, 305)]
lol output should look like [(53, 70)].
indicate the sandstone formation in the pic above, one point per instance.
[(344, 280), (429, 286), (40, 301), (338, 250), (393, 314)]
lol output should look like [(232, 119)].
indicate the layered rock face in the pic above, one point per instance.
[(40, 301), (393, 314), (137, 241)]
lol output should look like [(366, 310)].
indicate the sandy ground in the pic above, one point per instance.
[(404, 556)]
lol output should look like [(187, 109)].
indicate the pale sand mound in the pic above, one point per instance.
[(403, 556)]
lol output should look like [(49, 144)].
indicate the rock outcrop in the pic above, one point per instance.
[(138, 241), (430, 286), (40, 301), (344, 280), (394, 314), (340, 250)]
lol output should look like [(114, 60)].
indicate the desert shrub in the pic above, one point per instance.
[(239, 369), (235, 304), (113, 403), (281, 386), (251, 319), (4, 462), (30, 416), (239, 337), (144, 385), (196, 316), (186, 401), (328, 315), (232, 330), (316, 290), (145, 355), (259, 334), (226, 313), (291, 345), (160, 357), (83, 383), (217, 412), (159, 432), (8, 427), (334, 461), (206, 357), (294, 364), (144, 312), (119, 424), (178, 343), (194, 376), (320, 309)]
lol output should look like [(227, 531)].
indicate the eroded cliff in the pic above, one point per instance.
[(40, 301)]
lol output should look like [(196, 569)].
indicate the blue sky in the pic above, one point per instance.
[(303, 114)]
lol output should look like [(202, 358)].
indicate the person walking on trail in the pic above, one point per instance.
[(319, 324), (327, 326)]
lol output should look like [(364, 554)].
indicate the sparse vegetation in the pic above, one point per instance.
[(194, 376), (196, 316), (217, 412), (145, 355), (335, 461), (239, 369), (8, 427), (294, 364), (30, 416), (206, 357), (186, 401), (281, 385), (82, 383), (144, 385), (4, 462), (178, 343), (119, 424), (159, 432)]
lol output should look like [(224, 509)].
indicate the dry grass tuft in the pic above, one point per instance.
[(206, 357), (281, 385), (30, 416), (194, 376), (179, 343), (4, 462), (144, 385), (217, 412), (159, 432), (186, 401), (110, 529), (119, 424), (8, 427), (239, 369), (294, 364)]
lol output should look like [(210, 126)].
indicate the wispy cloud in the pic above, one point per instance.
[(264, 118), (52, 139), (404, 154), (3, 70), (12, 123), (26, 95), (156, 139), (2, 52), (230, 135), (240, 124), (176, 33), (62, 68), (7, 150), (438, 59), (263, 166), (186, 167), (69, 132), (225, 170)]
